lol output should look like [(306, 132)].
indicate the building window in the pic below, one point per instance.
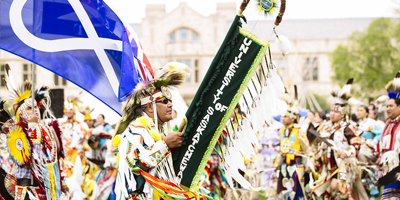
[(310, 69), (27, 72), (186, 62), (196, 71), (184, 34), (315, 74), (315, 69), (172, 37), (195, 37), (56, 82), (59, 81), (2, 75)]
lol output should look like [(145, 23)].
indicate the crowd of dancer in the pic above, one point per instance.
[(301, 154), (323, 154)]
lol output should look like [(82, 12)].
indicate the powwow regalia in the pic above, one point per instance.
[(141, 145), (34, 147), (337, 154), (390, 147), (74, 138), (86, 111), (101, 155), (294, 155), (370, 130)]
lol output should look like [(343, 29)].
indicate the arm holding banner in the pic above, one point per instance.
[(140, 154)]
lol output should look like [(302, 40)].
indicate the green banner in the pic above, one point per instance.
[(232, 68)]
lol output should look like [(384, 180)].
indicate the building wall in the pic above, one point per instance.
[(186, 36), (22, 69)]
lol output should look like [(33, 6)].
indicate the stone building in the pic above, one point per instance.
[(186, 36)]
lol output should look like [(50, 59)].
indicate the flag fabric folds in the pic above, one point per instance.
[(82, 41), (231, 69)]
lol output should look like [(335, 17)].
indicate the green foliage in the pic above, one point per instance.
[(371, 57), (322, 101)]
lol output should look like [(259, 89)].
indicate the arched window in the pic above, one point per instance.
[(183, 35)]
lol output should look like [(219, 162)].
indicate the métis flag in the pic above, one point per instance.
[(82, 41), (231, 70)]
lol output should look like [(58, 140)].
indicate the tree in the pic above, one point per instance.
[(371, 57)]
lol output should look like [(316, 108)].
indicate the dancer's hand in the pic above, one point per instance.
[(343, 155), (173, 139), (65, 189)]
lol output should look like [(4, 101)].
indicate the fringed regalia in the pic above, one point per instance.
[(390, 156), (369, 132), (105, 160), (143, 154), (74, 137), (390, 148), (270, 142), (34, 147), (294, 155), (292, 162), (339, 138)]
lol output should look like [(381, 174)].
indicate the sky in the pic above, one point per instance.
[(133, 11)]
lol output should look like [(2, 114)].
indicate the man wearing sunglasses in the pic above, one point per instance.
[(144, 140)]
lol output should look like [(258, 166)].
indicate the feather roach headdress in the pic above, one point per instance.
[(341, 97), (172, 74), (393, 87), (86, 110), (72, 103), (292, 109), (20, 97)]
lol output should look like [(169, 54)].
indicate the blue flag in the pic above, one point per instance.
[(82, 41)]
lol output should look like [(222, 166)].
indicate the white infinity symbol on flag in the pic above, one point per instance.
[(93, 42)]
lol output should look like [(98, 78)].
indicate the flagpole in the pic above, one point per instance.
[(33, 88)]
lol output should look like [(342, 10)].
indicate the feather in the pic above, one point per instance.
[(277, 81), (234, 173), (250, 133), (22, 93), (10, 77), (41, 93), (174, 76), (393, 87), (341, 96), (283, 43), (354, 102), (382, 99), (346, 89)]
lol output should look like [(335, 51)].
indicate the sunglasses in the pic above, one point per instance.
[(164, 101)]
